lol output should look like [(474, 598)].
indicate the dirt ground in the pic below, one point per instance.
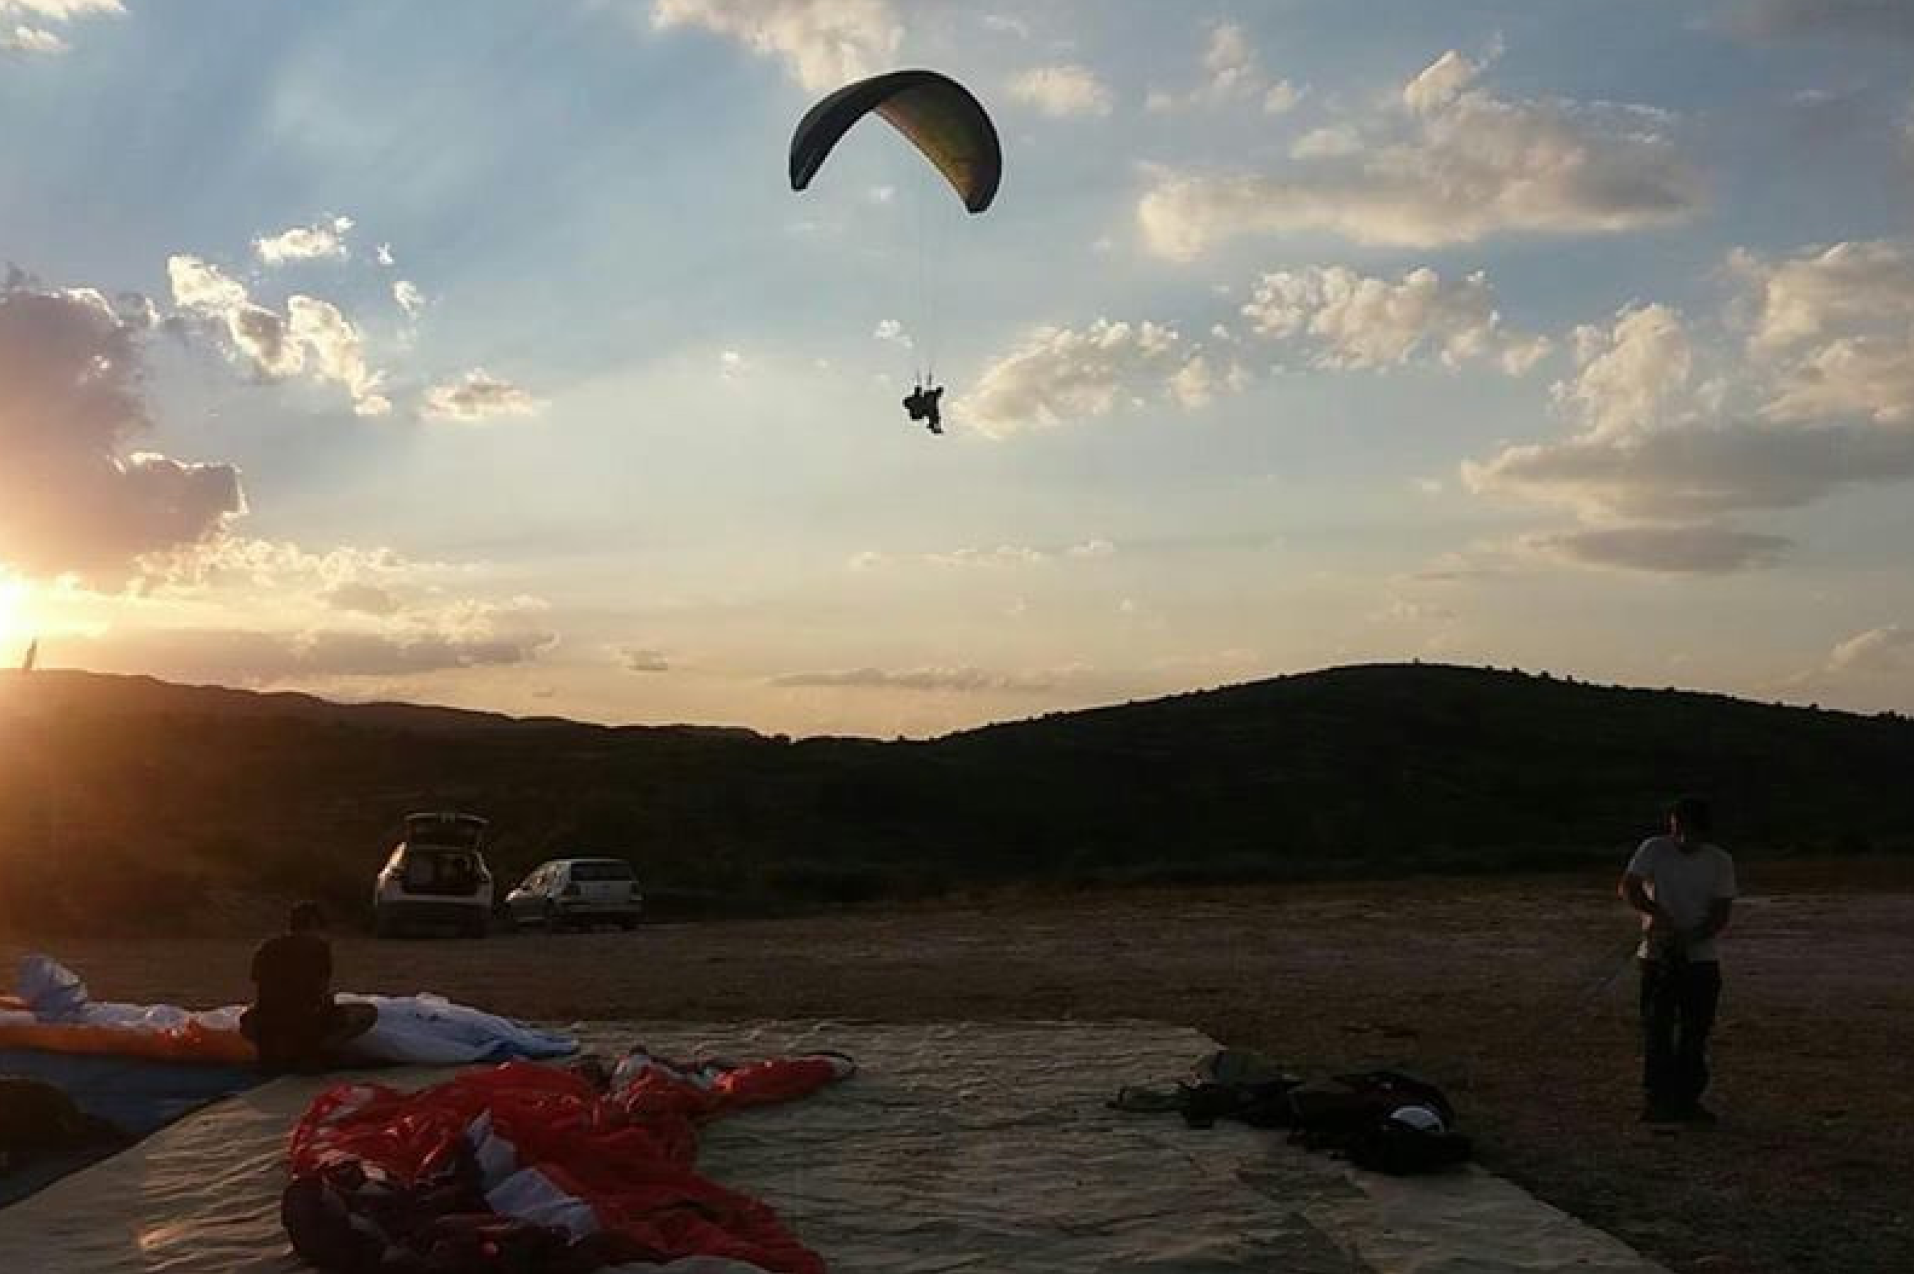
[(1516, 996)]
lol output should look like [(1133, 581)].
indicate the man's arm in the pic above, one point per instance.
[(1634, 891)]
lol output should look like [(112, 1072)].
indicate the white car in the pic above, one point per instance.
[(435, 876), (577, 891)]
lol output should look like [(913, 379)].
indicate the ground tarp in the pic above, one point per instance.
[(135, 1095), (958, 1147)]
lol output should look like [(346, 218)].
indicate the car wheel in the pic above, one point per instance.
[(383, 925), (627, 923), (553, 921), (478, 926)]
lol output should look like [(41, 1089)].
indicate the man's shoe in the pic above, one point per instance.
[(1700, 1114)]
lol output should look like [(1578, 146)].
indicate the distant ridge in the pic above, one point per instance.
[(1374, 770)]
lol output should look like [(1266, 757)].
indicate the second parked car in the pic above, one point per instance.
[(577, 891)]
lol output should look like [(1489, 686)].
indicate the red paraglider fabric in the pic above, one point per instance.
[(527, 1167)]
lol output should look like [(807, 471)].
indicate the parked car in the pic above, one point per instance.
[(436, 875), (577, 891)]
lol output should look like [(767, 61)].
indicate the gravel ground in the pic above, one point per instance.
[(1516, 996)]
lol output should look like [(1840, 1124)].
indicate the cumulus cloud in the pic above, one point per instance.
[(1839, 323), (892, 332), (640, 660), (1354, 321), (336, 352), (1232, 73), (408, 297), (76, 495), (31, 35), (477, 396), (322, 240), (958, 679), (1065, 89), (311, 337), (1884, 649), (822, 43), (1448, 162), (1058, 374), (1806, 389), (61, 10), (26, 39), (1680, 550), (344, 612)]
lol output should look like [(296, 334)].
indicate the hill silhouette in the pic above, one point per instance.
[(124, 802)]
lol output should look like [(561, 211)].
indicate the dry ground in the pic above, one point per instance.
[(1501, 991)]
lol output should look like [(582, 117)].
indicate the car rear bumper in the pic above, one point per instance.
[(434, 911)]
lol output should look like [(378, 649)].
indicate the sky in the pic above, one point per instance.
[(481, 354)]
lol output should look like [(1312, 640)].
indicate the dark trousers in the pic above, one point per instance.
[(1678, 1011)]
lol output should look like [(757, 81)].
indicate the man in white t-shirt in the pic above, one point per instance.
[(1684, 887)]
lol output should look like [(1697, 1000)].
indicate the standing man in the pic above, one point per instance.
[(294, 1022), (1684, 887)]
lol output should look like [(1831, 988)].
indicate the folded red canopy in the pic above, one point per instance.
[(532, 1167)]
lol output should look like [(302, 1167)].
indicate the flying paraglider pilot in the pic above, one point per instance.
[(925, 403)]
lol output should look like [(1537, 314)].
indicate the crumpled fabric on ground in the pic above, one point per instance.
[(533, 1168)]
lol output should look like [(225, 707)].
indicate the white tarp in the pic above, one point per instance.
[(957, 1147)]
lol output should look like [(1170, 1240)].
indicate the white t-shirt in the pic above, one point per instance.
[(1685, 885)]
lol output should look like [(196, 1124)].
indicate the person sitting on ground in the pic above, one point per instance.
[(925, 404), (1684, 887), (293, 1021)]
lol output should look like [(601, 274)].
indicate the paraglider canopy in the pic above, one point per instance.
[(939, 115)]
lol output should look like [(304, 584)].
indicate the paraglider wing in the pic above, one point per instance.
[(939, 115)]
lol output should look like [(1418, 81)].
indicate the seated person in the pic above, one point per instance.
[(293, 1021)]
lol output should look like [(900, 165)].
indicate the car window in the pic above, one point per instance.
[(601, 871)]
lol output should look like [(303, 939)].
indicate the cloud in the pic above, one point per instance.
[(25, 39), (366, 599), (1884, 649), (1633, 376), (477, 396), (32, 37), (1447, 163), (61, 10), (406, 293), (1353, 321), (1232, 73), (311, 337), (1067, 89), (1870, 21), (75, 495), (1003, 555), (323, 240), (336, 352), (640, 660), (1058, 374), (503, 636), (1818, 396), (1677, 550), (1839, 323), (959, 679), (892, 332), (344, 612), (822, 43), (384, 255)]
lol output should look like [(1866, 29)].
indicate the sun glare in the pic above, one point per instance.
[(13, 615)]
